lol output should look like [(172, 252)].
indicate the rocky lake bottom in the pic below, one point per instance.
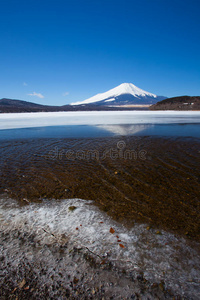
[(100, 218)]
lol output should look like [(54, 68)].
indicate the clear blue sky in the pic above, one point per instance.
[(67, 51)]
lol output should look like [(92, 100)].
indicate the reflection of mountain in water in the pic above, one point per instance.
[(125, 129)]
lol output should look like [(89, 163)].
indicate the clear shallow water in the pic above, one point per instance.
[(153, 253), (74, 131), (88, 131)]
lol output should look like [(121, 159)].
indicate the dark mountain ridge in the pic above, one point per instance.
[(13, 102), (13, 105), (178, 103), (18, 106), (175, 103)]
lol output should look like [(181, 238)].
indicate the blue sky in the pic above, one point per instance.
[(57, 52)]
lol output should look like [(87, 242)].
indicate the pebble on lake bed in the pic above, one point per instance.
[(72, 208)]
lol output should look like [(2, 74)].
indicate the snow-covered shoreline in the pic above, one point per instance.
[(158, 255)]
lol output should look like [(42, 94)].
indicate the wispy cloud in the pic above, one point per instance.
[(25, 84), (66, 94), (37, 95)]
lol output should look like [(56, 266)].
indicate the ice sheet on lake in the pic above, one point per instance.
[(160, 256), (27, 120)]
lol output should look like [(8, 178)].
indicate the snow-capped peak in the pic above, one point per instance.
[(124, 88), (129, 88)]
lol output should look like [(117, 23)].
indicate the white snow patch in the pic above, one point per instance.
[(161, 257), (110, 100)]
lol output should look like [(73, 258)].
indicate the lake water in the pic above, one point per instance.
[(158, 186), (99, 124)]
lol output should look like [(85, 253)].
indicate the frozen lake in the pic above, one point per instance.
[(99, 124)]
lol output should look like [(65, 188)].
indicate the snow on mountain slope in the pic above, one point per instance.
[(116, 94)]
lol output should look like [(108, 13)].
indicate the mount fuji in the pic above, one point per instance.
[(124, 94)]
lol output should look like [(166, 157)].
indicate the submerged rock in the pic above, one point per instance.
[(72, 208)]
